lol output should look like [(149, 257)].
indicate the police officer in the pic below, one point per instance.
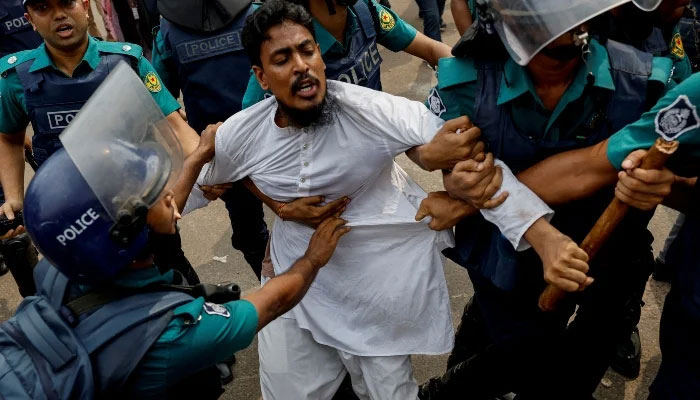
[(657, 33), (679, 375), (16, 34), (137, 145), (348, 32), (203, 57), (48, 86), (552, 93)]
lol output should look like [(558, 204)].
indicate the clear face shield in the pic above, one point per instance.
[(527, 26), (123, 146)]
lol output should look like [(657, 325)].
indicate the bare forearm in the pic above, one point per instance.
[(462, 15), (283, 292), (190, 172), (571, 175), (273, 204), (415, 153), (189, 139), (428, 49), (12, 165)]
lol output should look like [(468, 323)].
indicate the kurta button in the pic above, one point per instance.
[(306, 146), (303, 180), (12, 60), (306, 163), (126, 47)]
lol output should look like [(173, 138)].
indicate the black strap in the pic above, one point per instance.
[(93, 300)]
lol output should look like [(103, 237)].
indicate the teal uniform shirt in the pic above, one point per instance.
[(455, 94), (199, 335), (395, 38), (13, 110), (675, 112)]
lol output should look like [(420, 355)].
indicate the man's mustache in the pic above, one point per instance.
[(296, 86)]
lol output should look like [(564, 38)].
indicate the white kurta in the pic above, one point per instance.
[(383, 292)]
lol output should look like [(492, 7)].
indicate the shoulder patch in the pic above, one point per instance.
[(129, 49), (10, 61), (386, 20), (216, 309), (676, 119), (435, 103), (677, 46), (152, 82)]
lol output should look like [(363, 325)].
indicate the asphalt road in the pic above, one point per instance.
[(206, 234)]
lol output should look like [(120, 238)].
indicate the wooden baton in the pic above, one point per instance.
[(611, 217)]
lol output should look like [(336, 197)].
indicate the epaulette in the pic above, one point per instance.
[(128, 49), (10, 61), (455, 71)]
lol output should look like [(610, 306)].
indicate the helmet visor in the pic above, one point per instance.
[(647, 5), (122, 144), (527, 26)]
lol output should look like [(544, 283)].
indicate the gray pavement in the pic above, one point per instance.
[(206, 233)]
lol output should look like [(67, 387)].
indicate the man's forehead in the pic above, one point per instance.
[(287, 34)]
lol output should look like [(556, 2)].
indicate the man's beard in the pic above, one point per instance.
[(315, 117)]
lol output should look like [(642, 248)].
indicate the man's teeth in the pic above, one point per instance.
[(306, 88)]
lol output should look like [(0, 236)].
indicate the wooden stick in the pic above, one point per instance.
[(606, 224)]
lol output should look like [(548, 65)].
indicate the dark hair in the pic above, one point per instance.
[(270, 14)]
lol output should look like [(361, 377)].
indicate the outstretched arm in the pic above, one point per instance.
[(284, 291), (428, 49)]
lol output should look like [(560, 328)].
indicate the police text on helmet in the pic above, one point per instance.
[(82, 223)]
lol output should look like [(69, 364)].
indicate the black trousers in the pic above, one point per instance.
[(250, 233), (515, 347)]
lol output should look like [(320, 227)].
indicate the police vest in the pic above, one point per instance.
[(479, 245), (360, 65), (53, 99), (16, 32), (212, 70)]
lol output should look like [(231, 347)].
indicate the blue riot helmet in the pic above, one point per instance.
[(85, 209), (527, 26)]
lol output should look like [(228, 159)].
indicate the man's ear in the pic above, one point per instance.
[(29, 18), (86, 7), (260, 76)]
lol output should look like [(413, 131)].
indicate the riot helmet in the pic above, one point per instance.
[(527, 26), (85, 209)]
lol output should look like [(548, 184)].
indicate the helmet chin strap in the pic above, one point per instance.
[(581, 39)]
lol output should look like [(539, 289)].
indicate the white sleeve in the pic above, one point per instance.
[(520, 210)]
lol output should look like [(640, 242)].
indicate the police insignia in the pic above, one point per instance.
[(677, 46), (216, 309), (676, 119), (386, 20), (152, 82), (435, 103)]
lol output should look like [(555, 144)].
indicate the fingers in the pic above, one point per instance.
[(310, 201), (651, 176), (13, 232), (496, 201), (422, 211), (462, 123), (634, 159), (634, 200), (335, 206), (478, 151), (7, 210)]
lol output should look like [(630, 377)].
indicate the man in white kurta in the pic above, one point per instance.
[(383, 293), (382, 296)]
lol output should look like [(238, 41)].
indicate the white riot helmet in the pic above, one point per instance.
[(527, 26)]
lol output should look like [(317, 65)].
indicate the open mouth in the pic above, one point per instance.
[(307, 88), (64, 30)]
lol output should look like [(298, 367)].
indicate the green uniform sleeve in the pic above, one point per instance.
[(455, 94), (199, 335), (253, 93), (13, 111), (165, 100), (162, 60), (393, 32), (676, 111)]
